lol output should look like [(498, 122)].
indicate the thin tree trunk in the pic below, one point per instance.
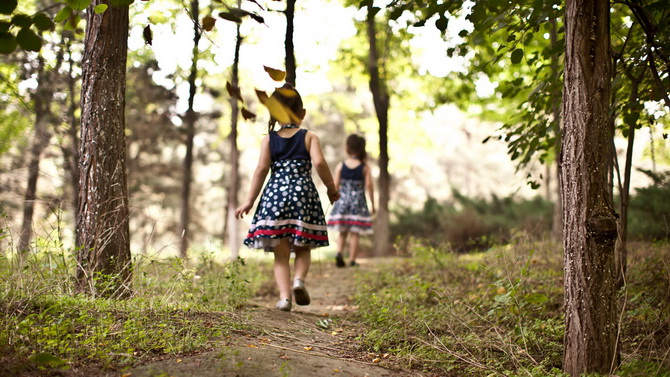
[(233, 188), (42, 100), (72, 131), (288, 42), (39, 142), (621, 252), (102, 234), (380, 98), (590, 229), (190, 118)]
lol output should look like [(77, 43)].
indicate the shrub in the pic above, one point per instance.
[(472, 224), (649, 209)]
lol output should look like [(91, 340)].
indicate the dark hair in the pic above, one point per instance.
[(356, 147), (289, 97)]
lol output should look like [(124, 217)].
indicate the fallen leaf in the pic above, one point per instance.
[(179, 360), (126, 375), (385, 356), (208, 23), (275, 74), (285, 357), (333, 333), (376, 360), (252, 346), (307, 348), (339, 329), (335, 370)]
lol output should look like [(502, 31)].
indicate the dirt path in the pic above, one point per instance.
[(314, 340)]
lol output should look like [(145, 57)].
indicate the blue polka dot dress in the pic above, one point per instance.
[(350, 213), (290, 206)]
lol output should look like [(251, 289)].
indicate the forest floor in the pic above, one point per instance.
[(314, 340)]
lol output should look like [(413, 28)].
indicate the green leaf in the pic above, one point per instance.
[(42, 22), (8, 6), (28, 40), (121, 3), (78, 4), (517, 56), (4, 26), (48, 359), (21, 20), (63, 14), (7, 43), (100, 8), (72, 22), (536, 298)]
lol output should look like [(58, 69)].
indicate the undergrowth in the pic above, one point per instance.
[(499, 312), (176, 309)]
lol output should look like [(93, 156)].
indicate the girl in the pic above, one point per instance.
[(350, 216), (289, 216)]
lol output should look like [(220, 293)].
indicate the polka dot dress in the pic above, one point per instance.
[(350, 213), (290, 206)]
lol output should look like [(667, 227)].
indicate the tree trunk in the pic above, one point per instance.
[(190, 119), (233, 188), (590, 229), (72, 131), (621, 252), (288, 42), (380, 97), (102, 235), (41, 100)]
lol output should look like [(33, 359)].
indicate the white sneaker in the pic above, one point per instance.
[(300, 292)]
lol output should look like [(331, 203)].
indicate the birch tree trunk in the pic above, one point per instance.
[(590, 227), (102, 235)]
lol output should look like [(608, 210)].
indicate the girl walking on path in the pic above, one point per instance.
[(350, 215), (289, 216)]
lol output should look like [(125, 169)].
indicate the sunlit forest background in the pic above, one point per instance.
[(438, 161), (476, 272)]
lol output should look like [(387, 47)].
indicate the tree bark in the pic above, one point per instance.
[(233, 187), (288, 42), (190, 119), (380, 97), (590, 229), (102, 235)]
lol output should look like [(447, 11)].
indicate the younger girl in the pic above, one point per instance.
[(350, 215), (289, 216)]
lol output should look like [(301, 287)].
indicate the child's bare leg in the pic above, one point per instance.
[(353, 246), (303, 259), (282, 269), (342, 239)]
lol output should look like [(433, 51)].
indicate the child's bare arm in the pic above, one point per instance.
[(369, 186), (260, 173), (338, 175), (321, 166)]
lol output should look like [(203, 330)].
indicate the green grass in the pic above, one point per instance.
[(499, 312), (175, 309)]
